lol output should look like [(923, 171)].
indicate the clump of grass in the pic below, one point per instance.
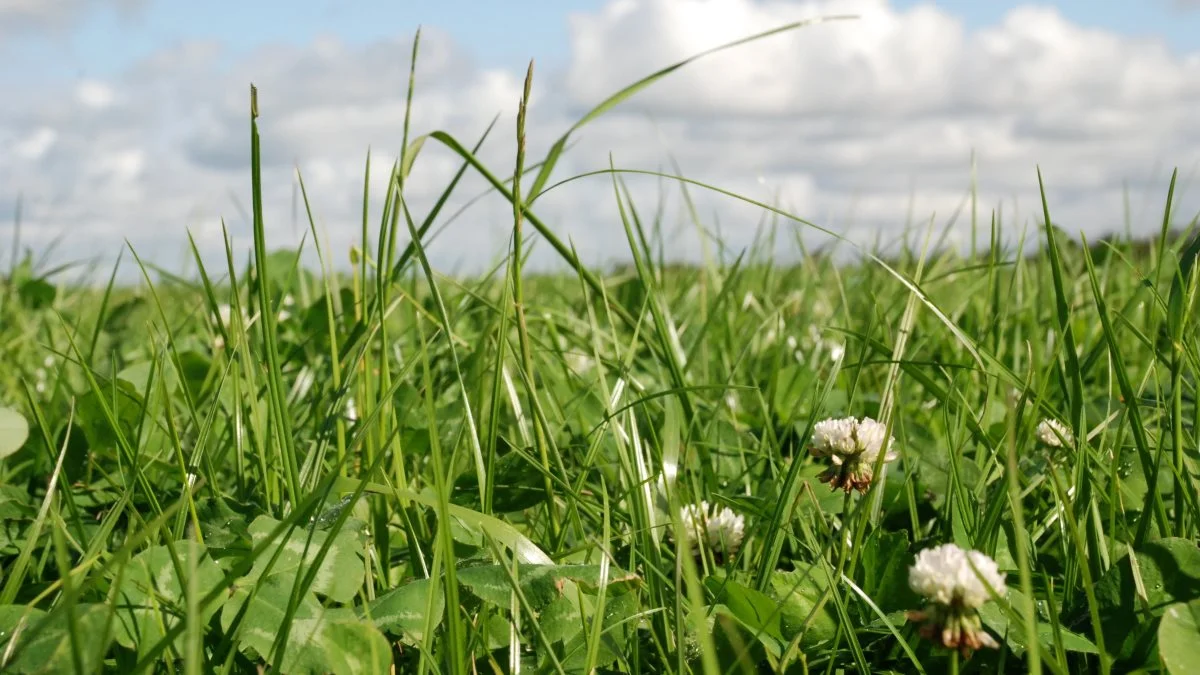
[(624, 472)]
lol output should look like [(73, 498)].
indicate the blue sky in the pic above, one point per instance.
[(105, 40), (853, 125)]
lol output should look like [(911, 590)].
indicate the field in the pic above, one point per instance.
[(353, 470)]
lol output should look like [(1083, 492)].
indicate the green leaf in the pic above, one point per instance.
[(885, 560), (117, 319), (284, 271), (401, 611), (793, 387), (137, 376), (548, 590), (804, 608), (17, 512), (127, 408), (737, 642), (500, 531), (223, 528), (757, 611), (37, 293), (560, 620), (50, 650), (491, 584), (616, 629), (152, 599), (994, 618), (938, 472), (353, 647), (1179, 637), (320, 639), (518, 485), (1169, 571), (340, 574), (13, 431), (16, 503), (540, 584)]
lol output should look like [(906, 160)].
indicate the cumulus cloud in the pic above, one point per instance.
[(21, 17), (854, 125), (894, 103), (165, 147)]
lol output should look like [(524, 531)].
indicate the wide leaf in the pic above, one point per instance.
[(1179, 638)]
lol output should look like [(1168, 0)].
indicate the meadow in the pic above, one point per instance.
[(743, 466)]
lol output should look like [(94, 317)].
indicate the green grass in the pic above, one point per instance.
[(388, 466)]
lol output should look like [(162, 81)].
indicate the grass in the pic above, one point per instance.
[(353, 471)]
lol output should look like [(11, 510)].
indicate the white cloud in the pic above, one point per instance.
[(36, 144), (94, 94), (896, 101), (852, 125), (20, 18)]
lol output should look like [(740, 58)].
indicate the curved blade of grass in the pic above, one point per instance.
[(616, 99), (525, 550)]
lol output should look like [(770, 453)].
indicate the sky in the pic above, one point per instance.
[(125, 121)]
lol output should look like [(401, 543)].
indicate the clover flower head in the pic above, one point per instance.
[(287, 303), (873, 437), (1054, 434), (947, 575), (715, 527), (852, 446), (834, 438), (224, 314), (837, 351), (731, 401), (953, 580)]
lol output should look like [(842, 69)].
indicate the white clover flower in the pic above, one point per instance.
[(852, 446), (945, 575), (1054, 433), (716, 528), (224, 314), (872, 436), (287, 302), (836, 349), (821, 308), (771, 336), (953, 580), (578, 362), (225, 318), (834, 438), (731, 401), (351, 409)]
